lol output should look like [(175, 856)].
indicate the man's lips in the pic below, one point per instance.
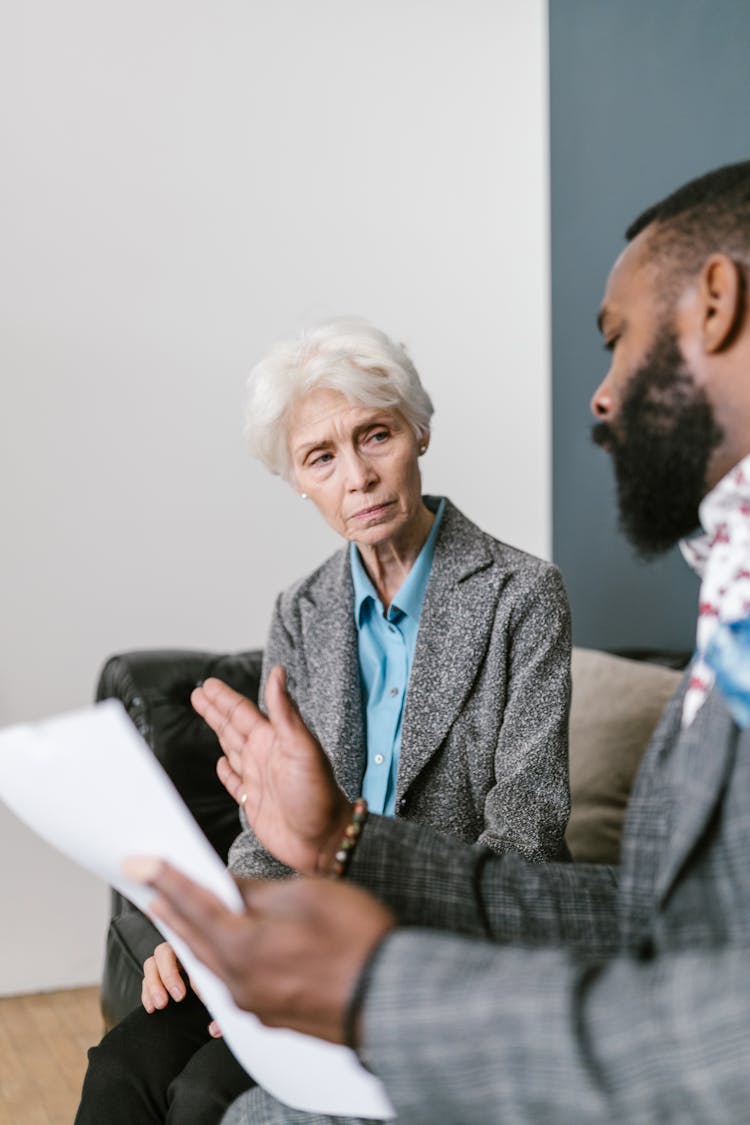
[(372, 510), (601, 435)]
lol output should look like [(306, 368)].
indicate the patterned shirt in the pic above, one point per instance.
[(386, 643), (721, 557)]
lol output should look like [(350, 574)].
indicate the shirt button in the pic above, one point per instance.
[(378, 759), (394, 691)]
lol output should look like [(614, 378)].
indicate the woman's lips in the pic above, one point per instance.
[(373, 510)]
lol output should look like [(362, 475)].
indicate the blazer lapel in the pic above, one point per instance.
[(701, 769), (333, 669), (454, 627)]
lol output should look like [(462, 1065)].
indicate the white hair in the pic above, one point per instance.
[(347, 354)]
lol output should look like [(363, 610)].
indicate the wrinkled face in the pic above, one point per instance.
[(358, 464), (654, 418)]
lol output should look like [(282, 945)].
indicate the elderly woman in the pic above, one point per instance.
[(431, 661)]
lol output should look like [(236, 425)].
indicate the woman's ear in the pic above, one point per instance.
[(722, 292)]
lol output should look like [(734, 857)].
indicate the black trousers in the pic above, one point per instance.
[(159, 1068)]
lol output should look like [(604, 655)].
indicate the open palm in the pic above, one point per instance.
[(277, 771)]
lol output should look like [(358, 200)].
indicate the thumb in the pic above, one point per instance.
[(280, 708), (248, 887)]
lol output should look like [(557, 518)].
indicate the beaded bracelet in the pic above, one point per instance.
[(349, 841)]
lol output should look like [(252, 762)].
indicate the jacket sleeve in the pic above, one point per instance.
[(528, 806), (247, 856), (466, 1032), (430, 880)]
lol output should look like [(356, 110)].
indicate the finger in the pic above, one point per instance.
[(191, 911), (146, 1000), (251, 889), (153, 994), (199, 937), (214, 1030), (146, 996), (185, 898), (169, 971), (232, 720), (220, 704), (231, 780), (232, 740), (281, 710)]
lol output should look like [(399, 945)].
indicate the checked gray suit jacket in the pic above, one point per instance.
[(562, 994), (484, 745)]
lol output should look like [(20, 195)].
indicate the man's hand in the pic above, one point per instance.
[(277, 770), (161, 979), (292, 957)]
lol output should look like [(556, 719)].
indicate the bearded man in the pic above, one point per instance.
[(483, 989)]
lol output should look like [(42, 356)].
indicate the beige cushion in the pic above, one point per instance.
[(616, 705)]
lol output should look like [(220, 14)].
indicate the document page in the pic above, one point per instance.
[(89, 785)]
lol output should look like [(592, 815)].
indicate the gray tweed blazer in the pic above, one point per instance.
[(595, 999), (484, 753)]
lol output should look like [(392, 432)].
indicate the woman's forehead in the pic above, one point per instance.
[(324, 409)]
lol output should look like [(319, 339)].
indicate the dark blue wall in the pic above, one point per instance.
[(644, 94)]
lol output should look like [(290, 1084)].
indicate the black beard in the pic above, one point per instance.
[(661, 447)]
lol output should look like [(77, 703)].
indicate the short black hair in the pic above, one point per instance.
[(707, 215)]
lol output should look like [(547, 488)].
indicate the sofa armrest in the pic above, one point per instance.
[(154, 687)]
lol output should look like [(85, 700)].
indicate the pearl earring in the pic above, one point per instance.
[(423, 449), (303, 496)]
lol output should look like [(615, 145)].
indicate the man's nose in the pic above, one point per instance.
[(601, 401)]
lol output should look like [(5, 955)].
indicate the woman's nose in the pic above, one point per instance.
[(361, 473)]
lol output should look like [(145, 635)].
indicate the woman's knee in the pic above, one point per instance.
[(132, 1067), (110, 1063), (207, 1085), (113, 1086)]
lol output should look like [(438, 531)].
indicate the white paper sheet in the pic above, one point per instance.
[(88, 784)]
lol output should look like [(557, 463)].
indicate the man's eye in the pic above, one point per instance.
[(609, 345)]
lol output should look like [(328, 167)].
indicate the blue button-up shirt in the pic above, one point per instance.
[(386, 651)]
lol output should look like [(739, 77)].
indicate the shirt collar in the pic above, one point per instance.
[(411, 594), (726, 506)]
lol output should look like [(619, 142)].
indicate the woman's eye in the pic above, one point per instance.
[(379, 436), (321, 459)]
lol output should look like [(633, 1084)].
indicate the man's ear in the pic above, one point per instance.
[(722, 290)]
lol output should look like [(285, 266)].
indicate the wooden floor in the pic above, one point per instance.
[(43, 1044)]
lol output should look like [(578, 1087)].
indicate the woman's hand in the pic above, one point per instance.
[(292, 956), (278, 772), (161, 979)]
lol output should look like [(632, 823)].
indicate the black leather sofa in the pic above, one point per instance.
[(155, 688)]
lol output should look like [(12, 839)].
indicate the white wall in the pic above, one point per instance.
[(183, 182)]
